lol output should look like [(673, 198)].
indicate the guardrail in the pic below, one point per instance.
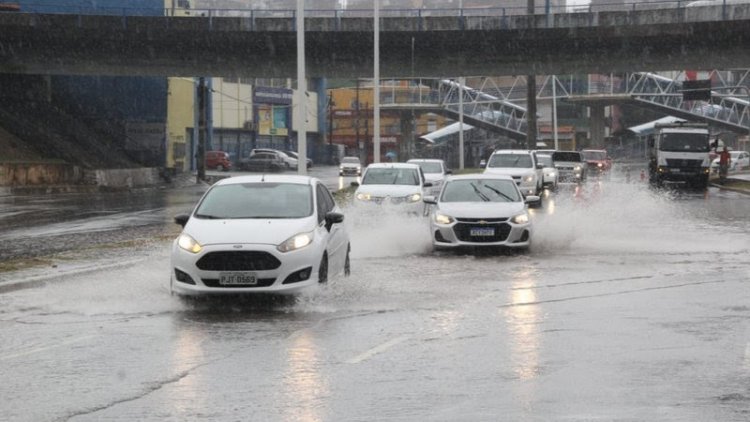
[(386, 12)]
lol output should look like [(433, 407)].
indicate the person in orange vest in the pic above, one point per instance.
[(724, 161)]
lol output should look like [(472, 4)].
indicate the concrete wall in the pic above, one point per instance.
[(30, 175)]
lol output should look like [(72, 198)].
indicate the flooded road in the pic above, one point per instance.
[(630, 305)]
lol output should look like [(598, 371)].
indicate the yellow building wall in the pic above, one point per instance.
[(180, 118)]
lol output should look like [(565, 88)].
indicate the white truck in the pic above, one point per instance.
[(679, 153)]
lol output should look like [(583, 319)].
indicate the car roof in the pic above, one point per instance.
[(269, 178), (394, 166), (511, 151), (425, 160), (475, 176)]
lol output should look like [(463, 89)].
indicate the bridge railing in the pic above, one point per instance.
[(713, 9)]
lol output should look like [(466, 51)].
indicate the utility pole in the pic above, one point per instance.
[(531, 91), (200, 153), (331, 104), (301, 89), (376, 84)]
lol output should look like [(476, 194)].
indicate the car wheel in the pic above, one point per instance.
[(323, 269), (219, 168), (347, 263)]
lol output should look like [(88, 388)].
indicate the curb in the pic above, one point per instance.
[(731, 189)]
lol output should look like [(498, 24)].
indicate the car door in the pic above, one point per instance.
[(335, 235)]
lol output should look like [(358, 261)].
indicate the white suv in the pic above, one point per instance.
[(522, 166)]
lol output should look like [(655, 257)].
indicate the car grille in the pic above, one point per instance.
[(463, 230), (477, 220), (262, 282), (238, 261), (678, 162)]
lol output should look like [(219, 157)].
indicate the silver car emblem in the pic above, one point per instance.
[(237, 246)]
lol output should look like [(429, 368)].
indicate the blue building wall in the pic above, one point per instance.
[(100, 7)]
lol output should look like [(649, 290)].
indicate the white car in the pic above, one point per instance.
[(549, 172), (522, 166), (480, 210), (570, 165), (289, 162), (350, 166), (399, 184), (260, 234), (434, 171), (738, 160)]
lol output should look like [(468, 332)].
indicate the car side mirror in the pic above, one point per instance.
[(182, 219), (431, 200), (539, 165), (449, 172), (354, 184), (427, 184), (333, 218), (532, 199)]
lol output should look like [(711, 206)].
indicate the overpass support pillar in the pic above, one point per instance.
[(596, 125)]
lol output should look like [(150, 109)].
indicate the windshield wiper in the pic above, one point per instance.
[(499, 193), (479, 193), (209, 217)]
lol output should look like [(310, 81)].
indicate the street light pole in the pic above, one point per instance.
[(461, 82), (376, 84), (331, 104), (301, 89)]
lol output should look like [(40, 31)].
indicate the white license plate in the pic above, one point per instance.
[(482, 231), (238, 279)]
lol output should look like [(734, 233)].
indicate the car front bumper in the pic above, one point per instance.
[(459, 234), (206, 281)]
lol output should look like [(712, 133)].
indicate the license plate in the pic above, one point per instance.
[(238, 279), (482, 231)]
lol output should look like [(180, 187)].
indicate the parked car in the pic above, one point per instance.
[(350, 166), (738, 160), (260, 234), (262, 161), (570, 165), (480, 210), (218, 160), (522, 166), (289, 162), (434, 171), (294, 155), (549, 172), (399, 184), (597, 161)]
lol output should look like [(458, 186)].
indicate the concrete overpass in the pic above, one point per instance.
[(341, 46)]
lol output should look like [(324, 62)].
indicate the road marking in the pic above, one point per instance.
[(377, 349), (45, 348)]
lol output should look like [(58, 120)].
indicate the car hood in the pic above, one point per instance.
[(568, 163), (389, 190), (351, 165), (270, 231), (482, 209), (509, 171)]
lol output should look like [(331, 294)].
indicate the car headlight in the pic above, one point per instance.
[(296, 242), (414, 198), (189, 244), (520, 219), (341, 167), (443, 219), (600, 165), (363, 196), (577, 168), (550, 174), (529, 178)]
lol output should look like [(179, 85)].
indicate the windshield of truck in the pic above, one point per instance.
[(568, 156), (510, 161), (684, 142), (595, 155), (545, 160)]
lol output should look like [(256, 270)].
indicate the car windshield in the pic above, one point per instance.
[(574, 157), (391, 176), (350, 160), (684, 142), (595, 155), (430, 167), (510, 160), (545, 160), (257, 200), (480, 190)]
